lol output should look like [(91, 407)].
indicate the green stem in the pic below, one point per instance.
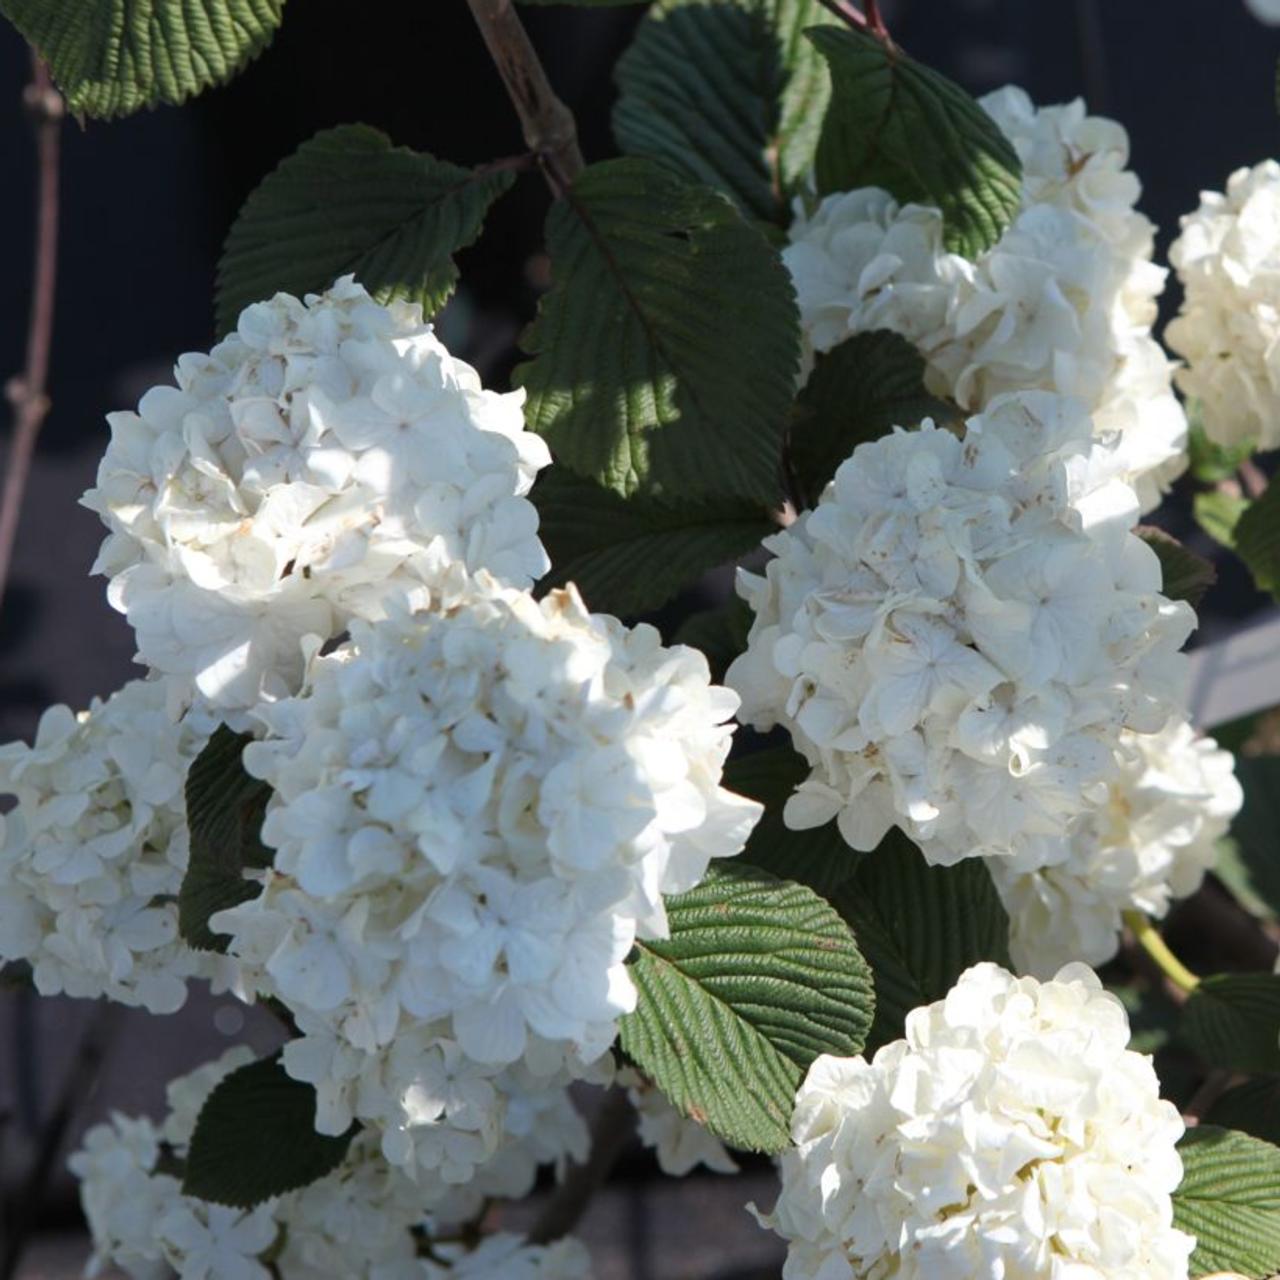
[(1148, 937)]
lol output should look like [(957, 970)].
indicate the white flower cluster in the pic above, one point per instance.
[(1228, 330), (95, 850), (679, 1143), (357, 1223), (958, 633), (323, 454), (477, 810), (1171, 800), (1063, 302), (1011, 1133)]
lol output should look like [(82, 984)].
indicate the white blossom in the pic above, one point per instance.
[(326, 452), (1228, 260), (477, 810), (508, 1257), (1011, 1133), (1152, 841), (679, 1142), (1063, 301), (95, 850), (957, 635)]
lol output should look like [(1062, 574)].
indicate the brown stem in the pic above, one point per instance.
[(1253, 477), (27, 392), (614, 1124), (875, 21), (549, 128), (846, 13), (1212, 1087)]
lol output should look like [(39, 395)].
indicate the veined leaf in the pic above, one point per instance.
[(1257, 539), (1233, 1020), (1186, 575)]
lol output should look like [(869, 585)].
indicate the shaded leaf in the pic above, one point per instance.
[(721, 634), (1208, 461), (1257, 539), (1252, 1107), (1254, 871), (1233, 1020), (1186, 575), (1218, 514)]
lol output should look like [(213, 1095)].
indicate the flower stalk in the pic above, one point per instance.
[(1148, 938)]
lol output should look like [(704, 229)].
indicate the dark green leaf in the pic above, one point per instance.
[(1186, 576), (758, 978), (256, 1138), (896, 124), (1253, 874), (721, 634), (1252, 1107), (1233, 1020), (1218, 514), (920, 927), (349, 202), (666, 350), (1257, 541), (225, 807), (728, 93), (630, 555), (113, 57), (1229, 1199), (819, 857), (859, 391)]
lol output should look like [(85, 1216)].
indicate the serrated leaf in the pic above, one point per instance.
[(920, 927), (256, 1138), (1257, 539), (1218, 514), (666, 351), (859, 391), (759, 977), (1252, 1107), (630, 555), (818, 857), (225, 807), (113, 57), (1233, 1020), (1185, 575), (1254, 871), (721, 635), (895, 124), (348, 202), (1229, 1199), (729, 94)]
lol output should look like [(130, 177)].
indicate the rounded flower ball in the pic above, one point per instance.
[(94, 852), (958, 634), (325, 453), (477, 810), (1228, 259), (1171, 801), (1011, 1133)]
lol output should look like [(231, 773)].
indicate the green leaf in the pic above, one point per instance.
[(1218, 514), (1233, 1020), (666, 350), (1186, 575), (859, 391), (630, 555), (256, 1138), (1253, 874), (818, 857), (225, 807), (1257, 539), (1229, 1199), (114, 57), (729, 94), (721, 634), (896, 124), (1252, 1107), (349, 202), (758, 978), (920, 927), (1208, 461), (588, 4)]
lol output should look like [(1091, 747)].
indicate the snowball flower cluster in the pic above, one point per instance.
[(95, 850), (1063, 302), (356, 1223), (326, 452), (477, 810), (1228, 259), (1152, 841), (958, 633), (1011, 1133)]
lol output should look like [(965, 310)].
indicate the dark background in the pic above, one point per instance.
[(148, 200)]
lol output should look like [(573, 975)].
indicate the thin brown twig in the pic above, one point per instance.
[(614, 1124), (847, 13), (1253, 478), (549, 128), (875, 21), (27, 392)]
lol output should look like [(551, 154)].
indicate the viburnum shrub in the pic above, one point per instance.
[(395, 770)]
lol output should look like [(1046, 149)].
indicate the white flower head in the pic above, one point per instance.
[(959, 632), (1011, 1133), (1228, 260), (679, 1143), (95, 850), (324, 454)]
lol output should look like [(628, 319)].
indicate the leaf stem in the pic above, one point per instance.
[(846, 13), (27, 391), (1149, 939), (549, 128)]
